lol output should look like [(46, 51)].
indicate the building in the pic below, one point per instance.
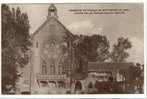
[(119, 71), (107, 74), (51, 53)]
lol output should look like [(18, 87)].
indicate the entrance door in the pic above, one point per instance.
[(78, 85)]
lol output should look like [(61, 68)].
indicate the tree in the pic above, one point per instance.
[(90, 48), (136, 73), (96, 48), (15, 45), (119, 52)]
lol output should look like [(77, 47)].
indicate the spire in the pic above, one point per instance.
[(52, 11)]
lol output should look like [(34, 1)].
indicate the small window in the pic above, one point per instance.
[(44, 68), (52, 68), (36, 44), (60, 69)]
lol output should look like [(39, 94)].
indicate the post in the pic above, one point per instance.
[(71, 64), (30, 72)]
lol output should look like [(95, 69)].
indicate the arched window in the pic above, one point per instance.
[(52, 68), (60, 69), (44, 68)]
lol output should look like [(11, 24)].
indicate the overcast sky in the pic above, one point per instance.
[(113, 26)]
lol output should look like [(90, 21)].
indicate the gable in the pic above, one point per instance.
[(51, 28)]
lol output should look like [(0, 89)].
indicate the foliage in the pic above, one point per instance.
[(119, 52), (90, 48), (136, 73), (15, 44)]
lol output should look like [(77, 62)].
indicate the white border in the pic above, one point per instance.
[(135, 96), (71, 1), (145, 48)]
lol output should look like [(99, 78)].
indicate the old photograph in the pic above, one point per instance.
[(67, 48)]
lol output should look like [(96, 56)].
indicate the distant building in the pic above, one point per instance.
[(105, 70), (117, 74)]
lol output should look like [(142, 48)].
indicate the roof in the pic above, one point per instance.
[(79, 76), (96, 66), (68, 32)]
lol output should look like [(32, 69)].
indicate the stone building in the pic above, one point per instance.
[(51, 53)]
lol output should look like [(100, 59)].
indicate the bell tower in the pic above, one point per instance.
[(52, 11)]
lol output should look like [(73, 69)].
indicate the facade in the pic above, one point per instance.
[(51, 53)]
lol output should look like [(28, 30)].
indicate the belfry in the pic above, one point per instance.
[(52, 11)]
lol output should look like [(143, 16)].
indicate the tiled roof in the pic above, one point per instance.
[(93, 66)]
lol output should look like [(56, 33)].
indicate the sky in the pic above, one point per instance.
[(128, 25)]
